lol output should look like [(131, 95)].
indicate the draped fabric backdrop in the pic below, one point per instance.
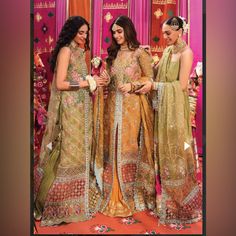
[(147, 15), (96, 27), (196, 29), (44, 41), (82, 8), (160, 10), (44, 26), (60, 15), (140, 14), (183, 11), (44, 32), (111, 9)]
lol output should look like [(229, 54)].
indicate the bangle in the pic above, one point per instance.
[(92, 83), (132, 88), (155, 85), (74, 84)]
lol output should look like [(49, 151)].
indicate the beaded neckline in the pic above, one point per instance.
[(178, 47)]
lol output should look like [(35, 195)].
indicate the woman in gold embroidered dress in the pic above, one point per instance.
[(179, 197), (73, 194), (129, 176)]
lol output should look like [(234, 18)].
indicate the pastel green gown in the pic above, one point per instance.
[(179, 198), (73, 195)]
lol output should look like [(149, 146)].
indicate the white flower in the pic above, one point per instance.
[(185, 25), (96, 61), (199, 69)]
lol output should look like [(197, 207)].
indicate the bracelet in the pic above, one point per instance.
[(92, 83), (132, 88), (74, 84), (155, 85)]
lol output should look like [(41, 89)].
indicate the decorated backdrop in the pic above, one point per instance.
[(147, 15)]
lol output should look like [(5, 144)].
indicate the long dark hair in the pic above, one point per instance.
[(67, 34), (130, 36)]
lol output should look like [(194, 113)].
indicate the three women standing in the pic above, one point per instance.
[(130, 157)]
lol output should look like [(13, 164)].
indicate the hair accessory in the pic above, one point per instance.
[(117, 19), (185, 25), (115, 27), (174, 24)]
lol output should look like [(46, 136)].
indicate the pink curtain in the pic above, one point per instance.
[(140, 14), (196, 45), (194, 17), (183, 11), (199, 118), (193, 14), (96, 27), (60, 16), (196, 29)]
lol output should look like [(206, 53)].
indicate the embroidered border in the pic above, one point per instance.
[(136, 201)]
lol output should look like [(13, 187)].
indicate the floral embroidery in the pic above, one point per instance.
[(69, 100), (101, 229), (180, 226), (149, 232), (129, 221), (152, 214)]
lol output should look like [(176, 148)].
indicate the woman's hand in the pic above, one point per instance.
[(100, 81), (105, 92), (125, 88), (147, 86), (83, 83), (105, 75)]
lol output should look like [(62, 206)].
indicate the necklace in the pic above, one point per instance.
[(124, 47), (178, 47)]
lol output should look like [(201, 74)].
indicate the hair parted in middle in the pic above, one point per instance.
[(67, 34), (130, 37)]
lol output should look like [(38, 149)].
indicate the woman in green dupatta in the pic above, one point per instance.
[(65, 188), (179, 197)]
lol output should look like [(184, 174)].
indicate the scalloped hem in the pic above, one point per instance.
[(179, 222), (65, 220)]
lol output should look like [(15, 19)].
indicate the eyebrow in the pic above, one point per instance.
[(116, 30)]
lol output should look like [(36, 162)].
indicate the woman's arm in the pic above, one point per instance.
[(63, 59), (145, 61), (186, 62)]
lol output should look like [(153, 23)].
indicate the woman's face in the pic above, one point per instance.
[(81, 36), (118, 34), (171, 36)]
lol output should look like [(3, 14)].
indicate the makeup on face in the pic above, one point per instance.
[(170, 35), (118, 34), (81, 36)]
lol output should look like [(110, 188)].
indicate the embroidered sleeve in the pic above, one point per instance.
[(145, 61)]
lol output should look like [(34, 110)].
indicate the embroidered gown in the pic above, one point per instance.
[(129, 175), (179, 199), (73, 196)]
